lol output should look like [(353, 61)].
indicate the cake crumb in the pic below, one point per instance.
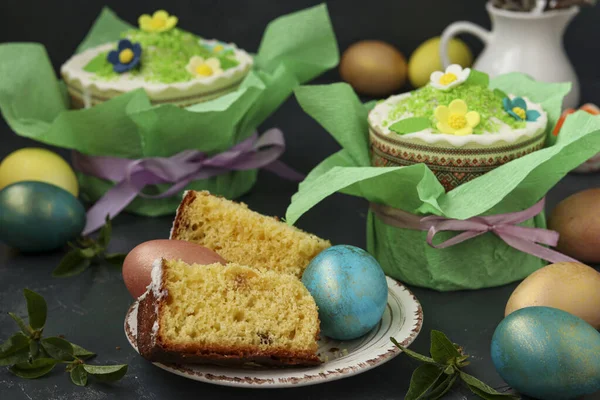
[(334, 350), (118, 348)]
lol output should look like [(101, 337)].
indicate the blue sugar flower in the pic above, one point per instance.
[(517, 108), (126, 57), (216, 47)]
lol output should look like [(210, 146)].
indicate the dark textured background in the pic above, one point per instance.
[(61, 25), (89, 309)]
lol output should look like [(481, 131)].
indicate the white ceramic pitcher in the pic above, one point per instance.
[(522, 42)]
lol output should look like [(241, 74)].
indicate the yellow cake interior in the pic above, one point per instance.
[(234, 306), (243, 236)]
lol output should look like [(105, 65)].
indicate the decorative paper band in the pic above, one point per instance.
[(452, 166)]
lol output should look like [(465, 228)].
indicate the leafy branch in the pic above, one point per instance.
[(438, 373), (86, 252), (29, 355)]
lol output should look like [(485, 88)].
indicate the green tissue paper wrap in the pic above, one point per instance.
[(404, 254), (295, 48)]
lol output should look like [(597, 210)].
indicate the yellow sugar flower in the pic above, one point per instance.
[(202, 68), (160, 21), (456, 119)]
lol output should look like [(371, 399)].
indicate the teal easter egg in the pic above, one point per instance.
[(37, 216), (350, 290), (547, 353)]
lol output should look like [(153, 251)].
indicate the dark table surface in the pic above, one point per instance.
[(89, 309)]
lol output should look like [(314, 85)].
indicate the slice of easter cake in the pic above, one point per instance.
[(241, 235), (227, 315)]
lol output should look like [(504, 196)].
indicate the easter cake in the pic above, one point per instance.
[(241, 235), (168, 63), (456, 125), (226, 315)]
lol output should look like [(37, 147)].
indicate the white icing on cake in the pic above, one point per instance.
[(155, 287), (87, 98), (505, 133), (77, 79)]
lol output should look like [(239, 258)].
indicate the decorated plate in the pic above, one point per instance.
[(402, 320)]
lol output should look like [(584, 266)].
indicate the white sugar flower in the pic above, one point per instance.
[(202, 68), (455, 75)]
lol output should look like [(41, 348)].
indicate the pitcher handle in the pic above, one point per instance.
[(456, 28)]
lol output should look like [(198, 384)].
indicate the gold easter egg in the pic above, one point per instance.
[(571, 287), (577, 220), (373, 68)]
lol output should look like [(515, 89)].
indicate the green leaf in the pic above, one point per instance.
[(482, 390), (15, 350), (115, 258), (34, 349), (478, 78), (442, 349), (106, 373), (449, 370), (42, 353), (500, 93), (410, 125), (58, 348), (36, 308), (82, 353), (105, 233), (442, 387), (462, 361), (227, 63), (422, 381), (90, 252), (488, 396), (26, 329), (14, 343), (86, 242), (19, 356), (97, 63), (73, 263), (35, 369), (79, 375), (413, 354)]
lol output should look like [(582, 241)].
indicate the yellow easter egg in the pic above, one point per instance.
[(426, 59), (41, 165), (571, 287)]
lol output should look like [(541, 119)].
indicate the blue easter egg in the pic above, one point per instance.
[(547, 353), (350, 290), (37, 216)]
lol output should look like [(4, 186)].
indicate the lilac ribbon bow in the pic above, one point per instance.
[(505, 226), (131, 176)]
